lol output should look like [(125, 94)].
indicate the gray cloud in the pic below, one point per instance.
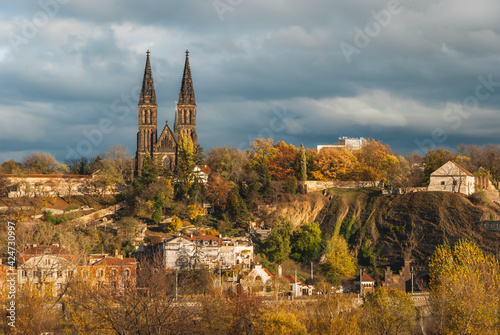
[(250, 60)]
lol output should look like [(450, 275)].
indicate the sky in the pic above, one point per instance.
[(416, 75)]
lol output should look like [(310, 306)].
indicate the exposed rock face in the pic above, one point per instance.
[(383, 230)]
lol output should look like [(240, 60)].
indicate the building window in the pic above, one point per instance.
[(205, 243), (113, 284), (454, 183), (47, 261), (59, 273), (126, 273), (114, 273), (442, 183), (69, 273), (214, 242), (99, 273), (23, 273)]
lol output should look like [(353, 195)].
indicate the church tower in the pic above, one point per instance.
[(147, 134), (186, 107)]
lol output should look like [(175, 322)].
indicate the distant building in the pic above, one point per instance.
[(451, 177), (202, 173), (344, 142), (366, 284), (187, 252), (165, 147)]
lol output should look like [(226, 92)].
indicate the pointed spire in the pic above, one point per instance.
[(186, 96), (148, 95), (175, 122)]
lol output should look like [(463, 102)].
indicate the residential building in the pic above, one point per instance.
[(116, 273), (48, 268), (451, 177), (182, 252), (366, 284)]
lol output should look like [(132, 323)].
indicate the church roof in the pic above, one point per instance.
[(148, 95), (186, 95)]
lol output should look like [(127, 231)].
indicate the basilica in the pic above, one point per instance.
[(164, 148)]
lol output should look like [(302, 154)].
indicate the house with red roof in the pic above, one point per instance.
[(47, 268), (116, 273)]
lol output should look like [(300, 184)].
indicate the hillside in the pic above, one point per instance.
[(383, 229)]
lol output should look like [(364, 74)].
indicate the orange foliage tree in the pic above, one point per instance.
[(217, 190), (281, 166), (333, 164)]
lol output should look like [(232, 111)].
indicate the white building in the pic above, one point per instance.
[(210, 251), (47, 268), (451, 177), (344, 142)]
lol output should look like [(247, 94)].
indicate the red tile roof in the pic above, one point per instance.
[(365, 277), (268, 272), (290, 279), (66, 176), (463, 170), (116, 261)]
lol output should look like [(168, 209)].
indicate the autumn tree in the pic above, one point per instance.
[(281, 166), (227, 162), (465, 289), (279, 322), (10, 167), (388, 311), (332, 313), (372, 160), (339, 260), (217, 191), (263, 152), (306, 243), (42, 163), (334, 164)]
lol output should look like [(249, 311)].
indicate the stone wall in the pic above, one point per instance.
[(37, 185), (317, 185)]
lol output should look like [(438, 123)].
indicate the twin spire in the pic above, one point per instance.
[(186, 95), (148, 95)]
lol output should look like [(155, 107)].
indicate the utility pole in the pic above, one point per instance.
[(361, 282), (296, 283), (412, 280), (176, 282), (312, 270)]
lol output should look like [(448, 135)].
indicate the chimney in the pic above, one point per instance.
[(116, 252), (280, 272), (35, 245), (55, 244), (120, 256)]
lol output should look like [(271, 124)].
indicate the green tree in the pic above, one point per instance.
[(465, 289), (185, 166), (303, 163), (277, 246), (388, 312), (42, 163), (339, 260), (306, 243)]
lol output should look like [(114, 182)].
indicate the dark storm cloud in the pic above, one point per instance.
[(260, 69)]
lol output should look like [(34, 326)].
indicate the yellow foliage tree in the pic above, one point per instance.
[(194, 211), (339, 260), (465, 289), (334, 164), (279, 322), (388, 312)]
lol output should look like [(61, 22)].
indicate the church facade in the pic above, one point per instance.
[(165, 147)]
